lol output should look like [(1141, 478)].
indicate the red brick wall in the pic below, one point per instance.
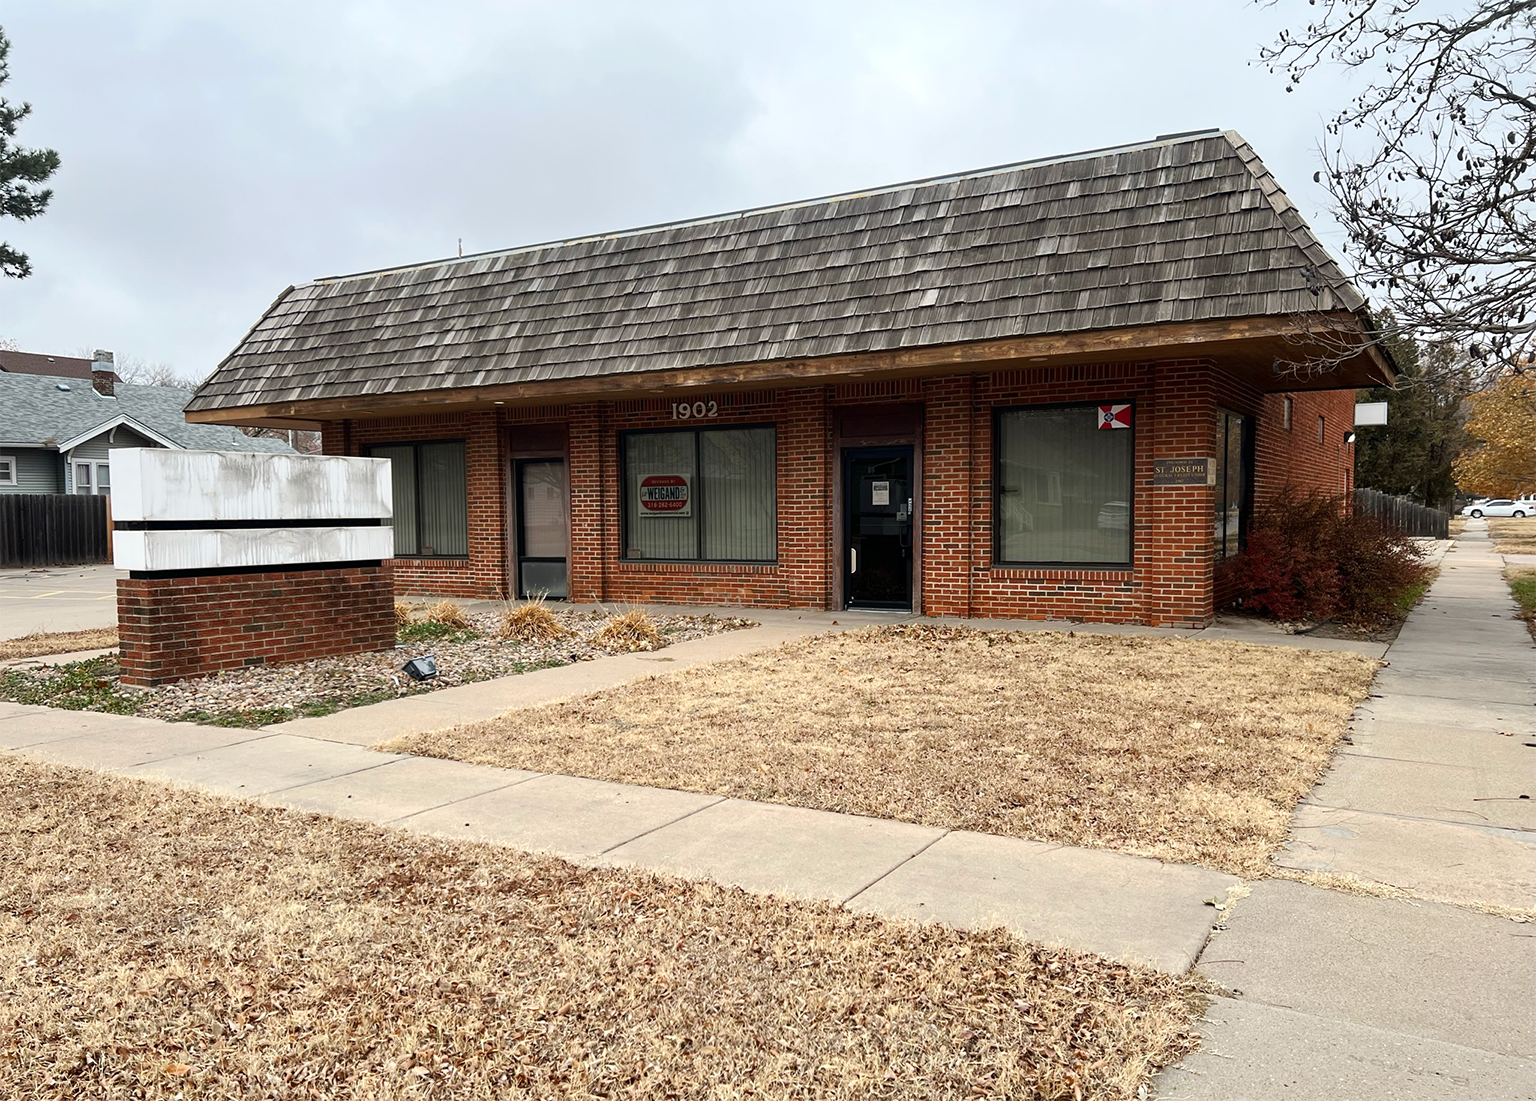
[(1171, 580), (483, 574), (176, 627), (1295, 457), (798, 579)]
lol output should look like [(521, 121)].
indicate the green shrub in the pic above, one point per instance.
[(1309, 557)]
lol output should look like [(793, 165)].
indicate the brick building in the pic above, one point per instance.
[(1052, 389)]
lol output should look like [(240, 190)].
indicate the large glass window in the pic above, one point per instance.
[(1231, 482), (431, 498), (707, 494), (1064, 483)]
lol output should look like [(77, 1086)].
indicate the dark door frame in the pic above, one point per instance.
[(519, 535), (847, 454), (902, 426)]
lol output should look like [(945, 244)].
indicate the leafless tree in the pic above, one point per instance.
[(1431, 166)]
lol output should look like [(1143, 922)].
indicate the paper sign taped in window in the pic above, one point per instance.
[(880, 493)]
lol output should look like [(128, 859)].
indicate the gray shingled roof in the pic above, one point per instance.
[(1189, 228), (42, 411)]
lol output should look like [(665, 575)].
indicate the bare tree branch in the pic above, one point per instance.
[(1432, 167)]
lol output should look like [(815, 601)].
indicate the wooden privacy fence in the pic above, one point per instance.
[(1408, 517), (52, 529)]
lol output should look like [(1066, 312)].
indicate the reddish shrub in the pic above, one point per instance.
[(1308, 557)]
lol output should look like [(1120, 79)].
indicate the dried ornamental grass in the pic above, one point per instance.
[(531, 621), (629, 631), (448, 614), (159, 943), (1195, 752), (405, 614)]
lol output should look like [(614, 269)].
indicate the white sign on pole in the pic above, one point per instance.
[(1368, 413)]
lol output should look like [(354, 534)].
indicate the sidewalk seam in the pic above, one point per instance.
[(646, 833), (463, 798), (899, 864)]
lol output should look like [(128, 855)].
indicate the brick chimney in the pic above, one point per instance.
[(103, 377)]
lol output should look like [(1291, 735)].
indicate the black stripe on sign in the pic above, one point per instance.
[(231, 525)]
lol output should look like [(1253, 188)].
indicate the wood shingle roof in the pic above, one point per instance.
[(1187, 228)]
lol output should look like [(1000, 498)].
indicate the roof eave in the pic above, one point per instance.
[(1260, 344)]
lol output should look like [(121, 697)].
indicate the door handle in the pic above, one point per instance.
[(853, 558)]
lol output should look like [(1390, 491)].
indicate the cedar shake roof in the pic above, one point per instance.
[(1182, 229)]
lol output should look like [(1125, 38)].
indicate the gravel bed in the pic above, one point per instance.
[(273, 693)]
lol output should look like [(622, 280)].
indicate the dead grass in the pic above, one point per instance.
[(1195, 752), (57, 642), (405, 614), (1511, 536), (632, 630), (1350, 884), (161, 944), (530, 621), (448, 614)]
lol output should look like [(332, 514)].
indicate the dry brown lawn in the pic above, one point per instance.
[(160, 944), (1511, 536), (1191, 751), (57, 642)]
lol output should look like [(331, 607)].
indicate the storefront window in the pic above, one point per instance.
[(1231, 482), (1064, 478), (431, 498), (702, 494)]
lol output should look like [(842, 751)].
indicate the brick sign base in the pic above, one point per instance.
[(175, 627)]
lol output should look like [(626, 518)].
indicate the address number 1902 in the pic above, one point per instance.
[(684, 410)]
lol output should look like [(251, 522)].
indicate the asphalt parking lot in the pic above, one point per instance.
[(57, 598)]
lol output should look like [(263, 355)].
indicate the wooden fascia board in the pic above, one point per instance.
[(1202, 338)]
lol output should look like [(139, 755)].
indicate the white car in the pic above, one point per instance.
[(1500, 506)]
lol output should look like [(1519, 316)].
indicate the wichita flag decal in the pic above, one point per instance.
[(1114, 416)]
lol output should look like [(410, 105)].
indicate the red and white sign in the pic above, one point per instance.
[(664, 495), (1114, 416)]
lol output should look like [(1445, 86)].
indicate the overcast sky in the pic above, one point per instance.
[(213, 154)]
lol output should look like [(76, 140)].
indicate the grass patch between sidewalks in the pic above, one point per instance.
[(57, 642), (160, 944), (1512, 536), (1191, 751), (1522, 586)]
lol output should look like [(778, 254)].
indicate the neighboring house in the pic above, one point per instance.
[(55, 429), (34, 363), (1049, 389)]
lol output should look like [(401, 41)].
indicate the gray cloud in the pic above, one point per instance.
[(213, 154)]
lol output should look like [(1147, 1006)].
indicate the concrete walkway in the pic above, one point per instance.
[(1340, 996), (1116, 905)]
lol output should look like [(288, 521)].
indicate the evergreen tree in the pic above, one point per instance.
[(21, 171), (1411, 455)]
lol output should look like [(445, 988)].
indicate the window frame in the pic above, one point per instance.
[(1247, 452), (76, 466), (14, 477), (416, 446), (698, 496), (998, 561)]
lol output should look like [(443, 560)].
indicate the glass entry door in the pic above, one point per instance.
[(877, 529), (543, 528)]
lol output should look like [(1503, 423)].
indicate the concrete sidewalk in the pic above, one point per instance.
[(1344, 997), (1115, 905)]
